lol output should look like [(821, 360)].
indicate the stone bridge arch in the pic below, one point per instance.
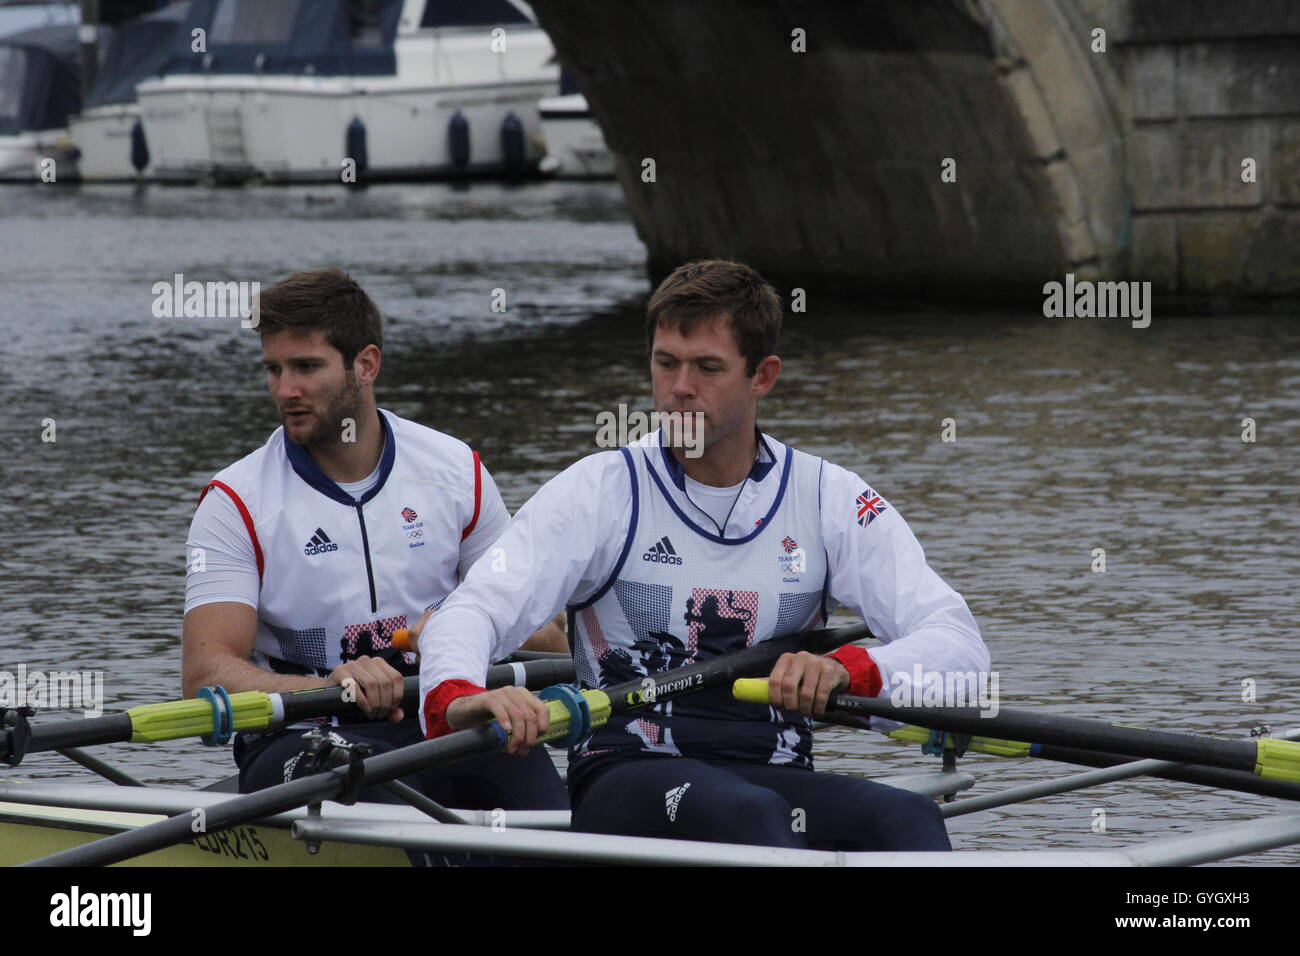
[(822, 168)]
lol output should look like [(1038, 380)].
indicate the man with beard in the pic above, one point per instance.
[(345, 526)]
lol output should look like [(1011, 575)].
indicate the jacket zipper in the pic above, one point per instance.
[(365, 546)]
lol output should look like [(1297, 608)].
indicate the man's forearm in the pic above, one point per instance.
[(237, 675), (549, 637)]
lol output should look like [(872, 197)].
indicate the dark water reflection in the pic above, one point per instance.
[(1071, 436)]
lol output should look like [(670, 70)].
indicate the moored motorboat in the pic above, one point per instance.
[(575, 145), (40, 87), (349, 90), (108, 133)]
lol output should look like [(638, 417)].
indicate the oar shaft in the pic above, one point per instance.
[(172, 720), (1265, 757), (1184, 773), (1119, 768), (1063, 731), (724, 671), (456, 746), (329, 701), (81, 732), (1237, 780)]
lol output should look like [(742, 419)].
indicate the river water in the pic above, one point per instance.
[(1071, 435)]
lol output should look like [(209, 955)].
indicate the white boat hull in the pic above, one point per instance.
[(294, 128), (575, 145), (21, 156), (103, 137)]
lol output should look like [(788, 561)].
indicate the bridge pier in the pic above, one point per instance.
[(824, 168)]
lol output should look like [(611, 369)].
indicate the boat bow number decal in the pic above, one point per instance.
[(239, 843)]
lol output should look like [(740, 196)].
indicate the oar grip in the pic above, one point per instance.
[(223, 717), (574, 714), (751, 689), (502, 738), (1278, 759), (150, 723), (577, 713)]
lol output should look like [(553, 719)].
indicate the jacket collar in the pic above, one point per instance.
[(306, 468), (764, 461)]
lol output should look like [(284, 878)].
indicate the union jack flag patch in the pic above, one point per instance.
[(869, 507)]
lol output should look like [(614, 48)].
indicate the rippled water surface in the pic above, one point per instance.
[(1071, 435)]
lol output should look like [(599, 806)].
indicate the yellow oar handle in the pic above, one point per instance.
[(254, 710), (753, 690), (174, 719), (573, 715), (1278, 759)]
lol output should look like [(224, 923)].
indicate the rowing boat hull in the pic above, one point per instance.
[(39, 818), (29, 833)]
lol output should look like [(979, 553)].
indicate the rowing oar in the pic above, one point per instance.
[(1166, 770), (247, 710), (572, 715), (1265, 757)]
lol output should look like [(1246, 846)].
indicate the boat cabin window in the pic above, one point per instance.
[(363, 22), (469, 13), (13, 67), (254, 21)]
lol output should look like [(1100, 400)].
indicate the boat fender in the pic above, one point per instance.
[(139, 147), (579, 713), (221, 714), (354, 144), (512, 142), (458, 139)]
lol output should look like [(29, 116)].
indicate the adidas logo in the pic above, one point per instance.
[(672, 798), (320, 543), (661, 552)]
